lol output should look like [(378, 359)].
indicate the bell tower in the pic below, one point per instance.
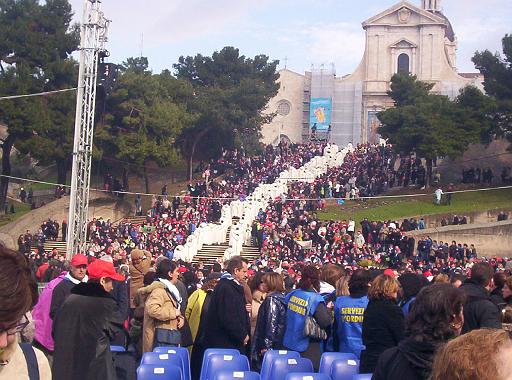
[(431, 5)]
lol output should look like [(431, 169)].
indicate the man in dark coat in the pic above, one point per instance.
[(84, 326), (479, 310), (76, 274), (228, 323)]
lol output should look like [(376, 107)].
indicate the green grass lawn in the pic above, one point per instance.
[(399, 208), (20, 210), (42, 186)]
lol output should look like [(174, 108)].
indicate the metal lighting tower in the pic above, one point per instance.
[(93, 37)]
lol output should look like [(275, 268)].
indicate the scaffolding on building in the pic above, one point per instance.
[(321, 86)]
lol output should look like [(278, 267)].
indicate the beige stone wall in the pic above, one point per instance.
[(490, 239), (291, 90), (421, 37), (494, 156)]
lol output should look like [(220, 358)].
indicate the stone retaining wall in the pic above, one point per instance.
[(490, 239)]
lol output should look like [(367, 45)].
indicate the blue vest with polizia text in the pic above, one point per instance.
[(349, 313), (299, 304)]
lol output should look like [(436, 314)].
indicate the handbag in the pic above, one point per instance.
[(166, 337), (313, 330)]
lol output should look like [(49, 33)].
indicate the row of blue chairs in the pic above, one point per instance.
[(228, 364)]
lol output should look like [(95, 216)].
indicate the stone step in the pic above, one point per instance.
[(61, 246), (211, 253), (134, 219)]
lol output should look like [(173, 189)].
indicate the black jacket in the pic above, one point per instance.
[(82, 329), (497, 298), (479, 310), (196, 357), (59, 295), (186, 333), (120, 294), (383, 328), (270, 327), (227, 321), (411, 360)]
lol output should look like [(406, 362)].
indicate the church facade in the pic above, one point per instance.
[(403, 38)]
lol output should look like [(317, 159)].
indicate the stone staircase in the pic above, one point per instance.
[(251, 253), (207, 255), (211, 253), (133, 219), (49, 245)]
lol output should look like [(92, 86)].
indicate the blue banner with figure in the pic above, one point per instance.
[(320, 113)]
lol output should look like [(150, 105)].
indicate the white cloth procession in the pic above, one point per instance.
[(240, 234), (265, 193)]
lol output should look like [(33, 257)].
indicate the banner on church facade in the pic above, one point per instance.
[(373, 123), (320, 113)]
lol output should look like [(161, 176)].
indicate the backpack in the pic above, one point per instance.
[(31, 359)]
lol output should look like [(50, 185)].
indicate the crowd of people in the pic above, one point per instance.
[(401, 307), (486, 176), (395, 321), (170, 221), (477, 175)]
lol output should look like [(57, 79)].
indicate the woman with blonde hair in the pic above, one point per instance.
[(329, 277), (383, 321), (441, 278), (342, 287), (478, 355), (271, 322)]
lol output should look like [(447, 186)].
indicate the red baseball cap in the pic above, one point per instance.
[(100, 268), (389, 272), (79, 259)]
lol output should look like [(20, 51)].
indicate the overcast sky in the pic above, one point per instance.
[(305, 32)]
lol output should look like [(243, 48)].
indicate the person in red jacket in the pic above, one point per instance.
[(42, 270)]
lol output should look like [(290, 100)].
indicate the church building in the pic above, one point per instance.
[(403, 38)]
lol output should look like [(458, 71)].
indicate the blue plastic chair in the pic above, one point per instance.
[(182, 352), (162, 371), (283, 366), (344, 369), (362, 376), (236, 375), (222, 362), (307, 376), (158, 358), (271, 355), (329, 357), (211, 351)]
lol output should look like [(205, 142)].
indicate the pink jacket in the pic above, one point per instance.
[(41, 314)]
